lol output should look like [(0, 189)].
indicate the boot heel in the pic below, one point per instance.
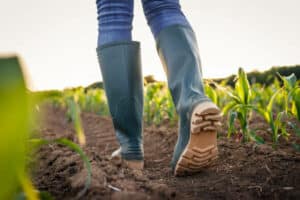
[(201, 149)]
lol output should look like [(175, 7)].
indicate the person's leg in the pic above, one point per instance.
[(114, 20), (177, 47), (163, 13), (120, 65)]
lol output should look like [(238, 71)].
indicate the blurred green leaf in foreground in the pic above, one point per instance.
[(14, 130)]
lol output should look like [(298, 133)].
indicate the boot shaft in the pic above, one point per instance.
[(120, 66)]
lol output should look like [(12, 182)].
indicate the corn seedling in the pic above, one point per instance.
[(240, 106), (73, 115), (158, 104), (96, 102), (211, 92), (275, 122), (291, 95)]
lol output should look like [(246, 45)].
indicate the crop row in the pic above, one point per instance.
[(274, 102)]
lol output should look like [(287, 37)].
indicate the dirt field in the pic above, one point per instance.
[(243, 171)]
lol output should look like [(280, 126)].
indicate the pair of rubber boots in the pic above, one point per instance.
[(199, 118)]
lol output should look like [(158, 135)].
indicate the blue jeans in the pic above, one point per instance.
[(115, 18)]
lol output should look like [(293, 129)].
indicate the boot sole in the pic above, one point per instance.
[(201, 149)]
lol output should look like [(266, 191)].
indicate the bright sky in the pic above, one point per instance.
[(57, 38)]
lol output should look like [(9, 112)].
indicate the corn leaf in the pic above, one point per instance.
[(14, 128), (296, 103), (272, 100), (28, 188), (256, 138), (211, 93), (289, 82), (74, 114), (234, 97), (231, 128), (228, 107), (242, 87)]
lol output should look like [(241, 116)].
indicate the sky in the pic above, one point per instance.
[(57, 39)]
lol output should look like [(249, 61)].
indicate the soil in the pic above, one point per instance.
[(243, 170)]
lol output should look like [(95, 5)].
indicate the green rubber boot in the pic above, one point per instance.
[(199, 118), (120, 66)]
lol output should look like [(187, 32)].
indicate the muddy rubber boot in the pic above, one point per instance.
[(199, 118), (120, 66)]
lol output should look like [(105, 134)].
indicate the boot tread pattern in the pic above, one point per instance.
[(205, 121)]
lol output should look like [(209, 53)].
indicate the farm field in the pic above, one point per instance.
[(243, 171), (150, 100), (58, 144), (258, 144)]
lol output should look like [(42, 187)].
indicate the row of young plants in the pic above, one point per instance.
[(158, 105), (274, 103)]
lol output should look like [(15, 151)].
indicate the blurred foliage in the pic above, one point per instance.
[(15, 120), (16, 141), (158, 105)]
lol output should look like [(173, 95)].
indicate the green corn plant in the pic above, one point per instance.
[(288, 99), (158, 104), (291, 95), (15, 123), (53, 97), (153, 101), (91, 100), (96, 102), (149, 105), (295, 95), (288, 94), (275, 122), (261, 94), (218, 92), (73, 114), (240, 107), (168, 108), (211, 92)]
